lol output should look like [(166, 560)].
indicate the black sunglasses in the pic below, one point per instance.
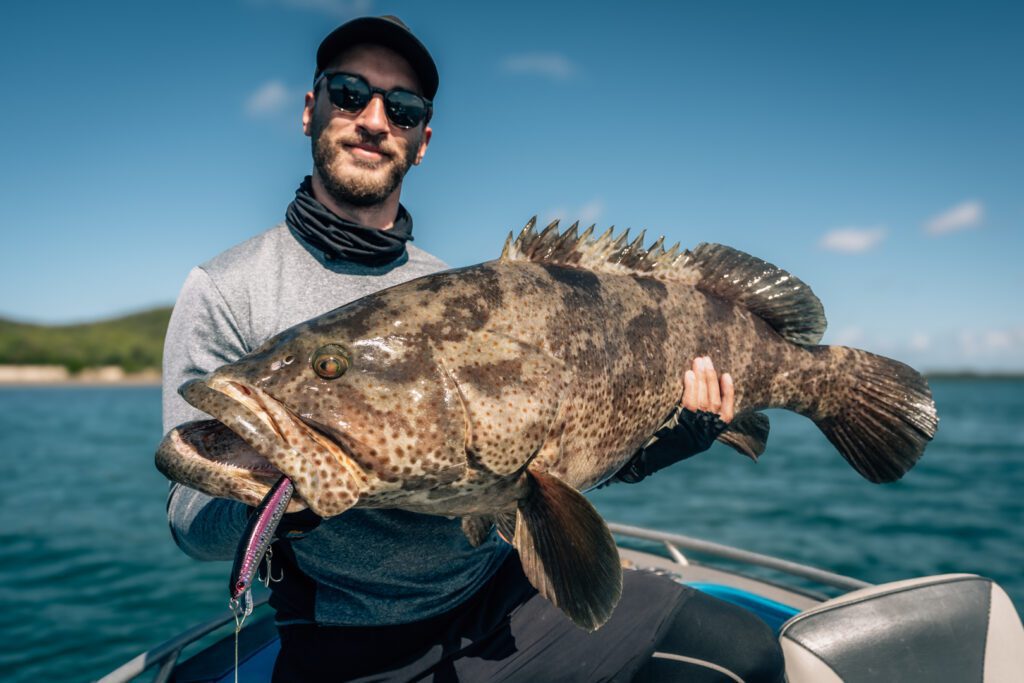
[(352, 93)]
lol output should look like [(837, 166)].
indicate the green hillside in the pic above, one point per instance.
[(134, 342)]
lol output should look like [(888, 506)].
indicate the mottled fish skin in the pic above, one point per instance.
[(496, 392)]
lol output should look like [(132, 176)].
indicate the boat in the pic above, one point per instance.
[(832, 628)]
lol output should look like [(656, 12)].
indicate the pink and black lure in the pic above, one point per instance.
[(257, 537)]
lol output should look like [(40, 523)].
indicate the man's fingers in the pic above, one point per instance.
[(728, 396), (699, 369), (690, 390), (711, 379), (702, 390)]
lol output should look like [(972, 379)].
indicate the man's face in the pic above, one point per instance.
[(362, 157)]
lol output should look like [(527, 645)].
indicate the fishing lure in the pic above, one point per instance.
[(259, 533), (255, 544)]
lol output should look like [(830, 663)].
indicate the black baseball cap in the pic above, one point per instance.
[(388, 31)]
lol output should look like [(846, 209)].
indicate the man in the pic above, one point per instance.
[(387, 594)]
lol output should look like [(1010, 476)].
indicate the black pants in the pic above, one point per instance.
[(660, 631)]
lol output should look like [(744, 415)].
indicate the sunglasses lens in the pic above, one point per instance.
[(348, 93), (352, 93), (405, 109)]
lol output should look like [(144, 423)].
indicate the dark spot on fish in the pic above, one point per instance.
[(439, 281), (474, 461), (490, 378), (655, 288), (647, 334), (469, 309), (359, 316), (718, 313), (585, 281), (488, 283), (415, 364)]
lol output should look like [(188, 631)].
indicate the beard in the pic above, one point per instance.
[(364, 185)]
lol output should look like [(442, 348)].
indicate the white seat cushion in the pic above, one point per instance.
[(950, 628)]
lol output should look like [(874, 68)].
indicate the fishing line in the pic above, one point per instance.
[(240, 610)]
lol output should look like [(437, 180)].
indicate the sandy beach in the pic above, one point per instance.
[(58, 375)]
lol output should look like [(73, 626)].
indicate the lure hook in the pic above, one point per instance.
[(268, 577)]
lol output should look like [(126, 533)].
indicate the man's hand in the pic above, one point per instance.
[(703, 391), (708, 405)]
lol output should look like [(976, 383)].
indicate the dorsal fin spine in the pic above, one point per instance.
[(566, 244), (507, 248)]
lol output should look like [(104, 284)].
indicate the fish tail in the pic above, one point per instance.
[(877, 411)]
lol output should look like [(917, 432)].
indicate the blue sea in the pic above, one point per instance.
[(89, 576)]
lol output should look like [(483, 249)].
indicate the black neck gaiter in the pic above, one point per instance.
[(343, 240)]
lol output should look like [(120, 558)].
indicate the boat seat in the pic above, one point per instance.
[(950, 628)]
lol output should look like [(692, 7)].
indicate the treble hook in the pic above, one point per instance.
[(269, 577)]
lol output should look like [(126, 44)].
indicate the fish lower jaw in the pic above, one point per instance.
[(231, 470), (229, 450), (269, 472)]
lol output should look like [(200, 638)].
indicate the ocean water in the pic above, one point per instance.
[(89, 576)]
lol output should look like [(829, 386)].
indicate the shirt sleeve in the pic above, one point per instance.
[(202, 335)]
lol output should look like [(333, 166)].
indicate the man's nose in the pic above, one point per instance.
[(373, 117)]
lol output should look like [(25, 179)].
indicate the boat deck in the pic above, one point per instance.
[(774, 601)]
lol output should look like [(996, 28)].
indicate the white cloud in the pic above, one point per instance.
[(339, 9), (270, 98), (998, 340), (548, 64), (852, 240), (849, 336), (960, 217), (987, 342), (920, 342), (588, 213)]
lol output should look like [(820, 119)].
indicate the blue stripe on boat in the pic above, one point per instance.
[(775, 614)]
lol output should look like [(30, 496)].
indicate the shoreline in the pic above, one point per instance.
[(85, 383), (60, 376)]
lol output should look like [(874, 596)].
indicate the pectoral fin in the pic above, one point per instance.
[(478, 527), (567, 551), (748, 434), (506, 523)]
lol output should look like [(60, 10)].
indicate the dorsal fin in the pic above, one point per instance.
[(609, 253), (782, 300)]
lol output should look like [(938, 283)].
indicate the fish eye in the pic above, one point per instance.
[(331, 361), (289, 359)]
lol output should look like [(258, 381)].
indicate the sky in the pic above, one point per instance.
[(873, 149)]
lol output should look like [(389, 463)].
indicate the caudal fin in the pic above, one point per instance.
[(879, 413)]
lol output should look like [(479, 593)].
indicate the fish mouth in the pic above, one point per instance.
[(214, 442), (253, 441)]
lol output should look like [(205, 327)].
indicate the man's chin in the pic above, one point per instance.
[(360, 190)]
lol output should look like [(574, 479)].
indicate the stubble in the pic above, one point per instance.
[(362, 185)]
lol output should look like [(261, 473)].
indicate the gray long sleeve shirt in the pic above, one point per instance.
[(369, 567)]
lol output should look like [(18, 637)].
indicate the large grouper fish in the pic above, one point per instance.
[(497, 392)]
